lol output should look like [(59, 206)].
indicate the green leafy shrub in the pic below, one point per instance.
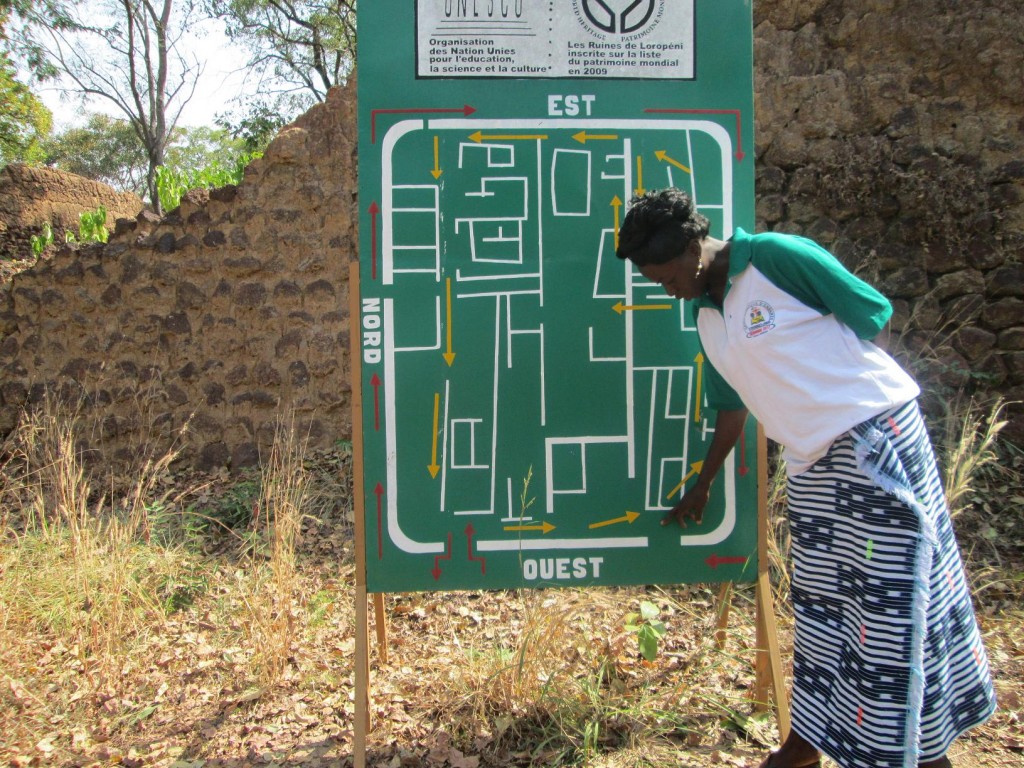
[(236, 507), (178, 591), (173, 183), (92, 227)]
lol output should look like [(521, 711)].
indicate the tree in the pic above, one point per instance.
[(299, 47), (16, 17), (24, 120), (106, 149), (204, 159), (257, 127), (194, 149), (126, 52)]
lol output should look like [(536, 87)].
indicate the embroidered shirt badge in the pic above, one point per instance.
[(758, 319)]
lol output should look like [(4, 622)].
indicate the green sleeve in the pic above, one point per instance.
[(805, 270), (720, 396)]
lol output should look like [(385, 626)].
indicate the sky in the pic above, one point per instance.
[(222, 80)]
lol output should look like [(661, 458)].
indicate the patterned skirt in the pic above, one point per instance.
[(888, 666)]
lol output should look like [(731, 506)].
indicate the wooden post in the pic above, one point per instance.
[(361, 669), (724, 604), (768, 667), (380, 623)]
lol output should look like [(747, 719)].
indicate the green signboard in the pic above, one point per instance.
[(532, 407)]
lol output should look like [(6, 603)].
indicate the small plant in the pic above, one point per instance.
[(319, 607), (525, 500), (179, 591), (171, 185), (233, 510), (42, 241), (648, 628), (92, 227)]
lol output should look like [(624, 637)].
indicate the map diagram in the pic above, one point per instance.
[(533, 407)]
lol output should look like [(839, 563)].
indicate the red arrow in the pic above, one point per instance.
[(374, 210), (736, 112), (437, 560), (714, 560), (465, 109), (375, 382), (379, 492), (482, 560)]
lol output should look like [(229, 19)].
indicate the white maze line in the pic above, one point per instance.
[(391, 139)]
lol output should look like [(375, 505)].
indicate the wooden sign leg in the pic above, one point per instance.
[(361, 672), (724, 605), (768, 667), (361, 665), (762, 661), (380, 623), (770, 660)]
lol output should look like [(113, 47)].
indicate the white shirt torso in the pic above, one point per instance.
[(804, 375)]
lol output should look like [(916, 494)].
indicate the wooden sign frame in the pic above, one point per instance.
[(769, 678), (489, 221)]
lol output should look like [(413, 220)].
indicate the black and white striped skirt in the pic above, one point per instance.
[(888, 667)]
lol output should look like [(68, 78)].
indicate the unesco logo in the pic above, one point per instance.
[(621, 17)]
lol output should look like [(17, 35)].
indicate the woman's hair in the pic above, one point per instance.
[(659, 226)]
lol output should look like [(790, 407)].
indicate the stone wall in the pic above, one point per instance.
[(891, 132), (31, 196), (224, 314)]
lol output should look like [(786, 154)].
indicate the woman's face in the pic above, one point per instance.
[(681, 277)]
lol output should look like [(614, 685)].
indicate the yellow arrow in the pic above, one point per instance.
[(695, 469), (433, 468), (663, 156), (449, 356), (583, 137), (478, 137), (699, 360), (616, 205), (620, 307), (629, 517), (546, 527), (639, 176), (436, 173)]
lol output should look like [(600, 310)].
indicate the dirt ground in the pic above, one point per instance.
[(538, 677)]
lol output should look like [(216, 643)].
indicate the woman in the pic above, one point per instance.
[(888, 664)]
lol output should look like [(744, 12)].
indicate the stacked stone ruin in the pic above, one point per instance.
[(891, 132)]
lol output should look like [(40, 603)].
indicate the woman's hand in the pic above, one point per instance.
[(690, 507), (728, 426)]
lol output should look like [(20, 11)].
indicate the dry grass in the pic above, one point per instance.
[(137, 629), (80, 568), (273, 600), (971, 436)]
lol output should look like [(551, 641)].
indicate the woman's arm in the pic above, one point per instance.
[(728, 426)]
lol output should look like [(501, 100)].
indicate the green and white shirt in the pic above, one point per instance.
[(792, 343)]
